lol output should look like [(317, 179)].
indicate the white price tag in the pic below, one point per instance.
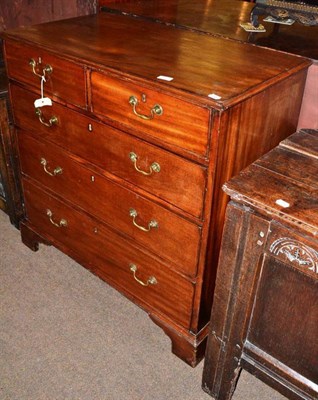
[(214, 96), (282, 203), (44, 101), (165, 78)]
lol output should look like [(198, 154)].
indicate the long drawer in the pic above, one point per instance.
[(110, 256), (164, 117), (63, 78), (118, 153), (151, 225)]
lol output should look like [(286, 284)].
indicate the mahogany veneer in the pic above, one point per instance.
[(124, 171)]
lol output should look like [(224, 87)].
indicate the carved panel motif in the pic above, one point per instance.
[(296, 252)]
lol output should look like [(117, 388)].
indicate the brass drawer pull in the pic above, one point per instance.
[(154, 167), (156, 109), (150, 281), (57, 170), (52, 121), (62, 223), (46, 70), (152, 224)]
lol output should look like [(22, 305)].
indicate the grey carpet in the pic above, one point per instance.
[(66, 335)]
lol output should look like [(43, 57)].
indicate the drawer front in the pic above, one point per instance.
[(110, 256), (174, 121), (153, 226), (66, 80), (172, 178)]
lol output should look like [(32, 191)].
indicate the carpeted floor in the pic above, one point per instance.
[(66, 335)]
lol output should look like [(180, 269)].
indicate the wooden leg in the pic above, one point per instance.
[(185, 345), (30, 238), (234, 289), (221, 369)]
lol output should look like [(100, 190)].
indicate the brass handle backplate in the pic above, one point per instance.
[(56, 171), (154, 167), (52, 121), (61, 224), (155, 110), (150, 281), (47, 70), (152, 224)]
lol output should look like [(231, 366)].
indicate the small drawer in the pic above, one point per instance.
[(168, 176), (114, 259), (163, 117), (158, 229), (63, 79)]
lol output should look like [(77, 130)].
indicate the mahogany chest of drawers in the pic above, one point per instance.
[(123, 171), (265, 311)]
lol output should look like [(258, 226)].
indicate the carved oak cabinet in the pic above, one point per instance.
[(265, 311), (123, 171)]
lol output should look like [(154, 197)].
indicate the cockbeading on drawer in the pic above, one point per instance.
[(63, 79), (132, 160), (111, 257), (156, 114), (126, 211)]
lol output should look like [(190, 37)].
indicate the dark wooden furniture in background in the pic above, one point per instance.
[(124, 171), (10, 193), (265, 310), (303, 11), (15, 13), (12, 15), (223, 18)]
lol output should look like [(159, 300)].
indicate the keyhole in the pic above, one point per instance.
[(143, 98)]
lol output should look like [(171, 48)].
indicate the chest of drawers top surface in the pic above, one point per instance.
[(199, 65)]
